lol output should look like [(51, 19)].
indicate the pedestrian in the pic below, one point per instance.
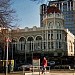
[(44, 65)]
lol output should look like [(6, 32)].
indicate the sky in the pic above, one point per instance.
[(27, 12)]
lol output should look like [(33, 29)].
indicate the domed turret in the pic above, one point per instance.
[(53, 18), (52, 9)]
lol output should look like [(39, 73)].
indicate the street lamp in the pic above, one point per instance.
[(7, 42), (7, 56), (5, 31)]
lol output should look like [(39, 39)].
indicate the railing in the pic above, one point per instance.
[(36, 70)]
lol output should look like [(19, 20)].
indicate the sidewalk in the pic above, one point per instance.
[(13, 73), (37, 73), (47, 73)]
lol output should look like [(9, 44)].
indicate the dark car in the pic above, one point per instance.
[(26, 67), (51, 64)]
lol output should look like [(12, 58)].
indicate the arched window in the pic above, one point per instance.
[(14, 44), (30, 43), (30, 39), (50, 25), (22, 39), (22, 42), (14, 40), (38, 38), (38, 44), (58, 25)]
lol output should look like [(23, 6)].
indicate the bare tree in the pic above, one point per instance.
[(6, 13)]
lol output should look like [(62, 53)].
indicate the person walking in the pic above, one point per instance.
[(44, 65)]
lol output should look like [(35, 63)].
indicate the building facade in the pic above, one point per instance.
[(68, 9), (50, 40)]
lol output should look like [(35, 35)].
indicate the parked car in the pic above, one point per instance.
[(51, 63), (25, 67)]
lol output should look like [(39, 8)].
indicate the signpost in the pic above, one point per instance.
[(36, 64)]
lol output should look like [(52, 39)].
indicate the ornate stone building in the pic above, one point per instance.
[(67, 7), (50, 40)]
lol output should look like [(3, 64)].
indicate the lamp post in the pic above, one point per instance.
[(7, 41), (5, 31)]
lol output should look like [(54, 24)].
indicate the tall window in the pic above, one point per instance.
[(58, 34), (44, 45), (22, 42), (51, 34), (38, 44), (48, 36), (59, 44), (48, 45), (50, 25), (52, 45), (30, 43), (58, 25)]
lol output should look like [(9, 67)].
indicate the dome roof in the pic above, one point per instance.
[(52, 9)]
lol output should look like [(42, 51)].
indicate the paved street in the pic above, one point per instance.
[(47, 73)]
